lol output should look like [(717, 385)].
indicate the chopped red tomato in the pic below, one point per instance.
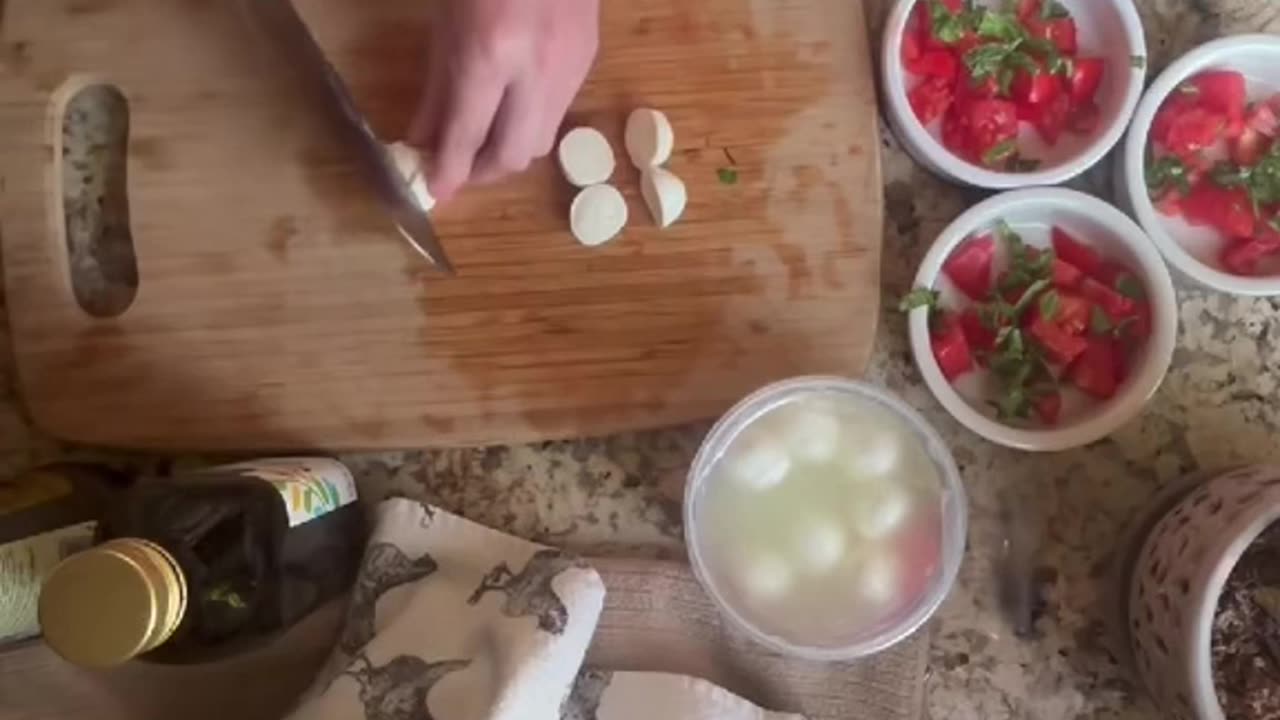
[(955, 135), (1120, 278), (930, 99), (1050, 118), (1048, 407), (1114, 304), (1094, 371), (1066, 275), (1262, 118), (1241, 256), (1226, 209), (950, 348), (1192, 131), (1221, 91), (1073, 313), (1071, 250), (1084, 119), (1247, 147), (1086, 78), (980, 337), (1170, 203), (1169, 112), (969, 267), (1059, 31), (1061, 346), (983, 89), (1033, 87), (991, 122)]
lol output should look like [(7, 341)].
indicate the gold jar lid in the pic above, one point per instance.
[(106, 605)]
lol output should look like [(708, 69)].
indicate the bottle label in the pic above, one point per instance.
[(311, 487), (30, 489), (24, 565)]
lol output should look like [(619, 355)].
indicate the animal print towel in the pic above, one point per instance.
[(450, 620)]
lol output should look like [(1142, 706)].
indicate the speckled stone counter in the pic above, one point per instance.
[(621, 494)]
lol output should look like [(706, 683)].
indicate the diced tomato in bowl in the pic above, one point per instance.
[(1043, 335), (1026, 77), (1202, 165)]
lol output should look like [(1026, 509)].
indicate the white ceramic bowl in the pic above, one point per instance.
[(1180, 574), (1194, 251), (1033, 213), (954, 512), (1110, 29)]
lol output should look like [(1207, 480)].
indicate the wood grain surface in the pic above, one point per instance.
[(277, 308)]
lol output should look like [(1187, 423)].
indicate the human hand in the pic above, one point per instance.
[(502, 76)]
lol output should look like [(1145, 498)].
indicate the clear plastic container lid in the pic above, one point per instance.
[(954, 514)]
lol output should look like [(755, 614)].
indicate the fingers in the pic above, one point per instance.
[(467, 115), (519, 134), (425, 126)]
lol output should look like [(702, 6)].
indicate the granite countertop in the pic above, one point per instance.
[(621, 494)]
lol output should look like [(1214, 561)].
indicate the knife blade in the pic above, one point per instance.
[(294, 41)]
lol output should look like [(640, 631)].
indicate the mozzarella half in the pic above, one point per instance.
[(649, 138), (597, 215), (585, 157), (665, 194)]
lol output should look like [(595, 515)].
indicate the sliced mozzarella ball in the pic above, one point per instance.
[(597, 215), (879, 509), (649, 138), (758, 462), (811, 432), (665, 194), (818, 545), (585, 157), (762, 575), (878, 578), (409, 162), (872, 451)]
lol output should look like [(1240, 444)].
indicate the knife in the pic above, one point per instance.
[(294, 41)]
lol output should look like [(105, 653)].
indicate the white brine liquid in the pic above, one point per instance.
[(823, 519)]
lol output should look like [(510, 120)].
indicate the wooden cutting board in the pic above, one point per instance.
[(277, 308)]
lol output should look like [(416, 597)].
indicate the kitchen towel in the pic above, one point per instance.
[(450, 620), (656, 617)]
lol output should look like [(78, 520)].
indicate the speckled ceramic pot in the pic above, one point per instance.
[(1179, 575)]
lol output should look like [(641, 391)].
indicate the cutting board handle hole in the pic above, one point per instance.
[(93, 149)]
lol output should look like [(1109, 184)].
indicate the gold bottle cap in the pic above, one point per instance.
[(108, 604)]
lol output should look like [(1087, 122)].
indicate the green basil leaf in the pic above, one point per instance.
[(1099, 322), (1049, 303), (917, 298), (999, 153), (1130, 287), (1001, 26), (1053, 10), (1138, 62), (727, 176)]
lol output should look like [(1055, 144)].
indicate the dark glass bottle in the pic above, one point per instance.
[(206, 564), (46, 514)]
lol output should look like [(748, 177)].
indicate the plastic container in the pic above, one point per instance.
[(954, 514)]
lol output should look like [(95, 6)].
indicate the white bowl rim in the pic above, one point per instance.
[(1139, 387), (1202, 57), (952, 166)]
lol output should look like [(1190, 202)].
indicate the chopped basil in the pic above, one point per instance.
[(1138, 62), (1168, 171), (1001, 26), (1018, 163), (917, 298), (727, 176), (1261, 181), (1000, 152), (1099, 322), (1049, 305), (1129, 287), (948, 27)]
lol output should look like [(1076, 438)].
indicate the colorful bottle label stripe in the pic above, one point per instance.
[(24, 565), (311, 487)]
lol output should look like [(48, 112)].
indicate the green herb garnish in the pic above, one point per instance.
[(1000, 153), (1053, 10), (1099, 322), (1168, 171), (1049, 304), (1129, 287), (917, 298), (727, 176), (1261, 181), (1138, 62)]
